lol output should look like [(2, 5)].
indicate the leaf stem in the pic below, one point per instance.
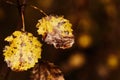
[(21, 8), (39, 10)]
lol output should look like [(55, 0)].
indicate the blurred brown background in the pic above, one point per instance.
[(96, 24)]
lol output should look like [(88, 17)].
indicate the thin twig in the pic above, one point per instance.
[(11, 3), (39, 10)]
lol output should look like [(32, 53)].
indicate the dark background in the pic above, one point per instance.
[(99, 53)]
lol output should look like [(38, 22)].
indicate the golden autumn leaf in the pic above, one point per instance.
[(56, 30), (23, 52)]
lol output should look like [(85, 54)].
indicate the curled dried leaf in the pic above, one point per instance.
[(56, 30), (46, 71)]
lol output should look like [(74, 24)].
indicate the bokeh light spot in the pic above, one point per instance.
[(76, 60), (84, 40), (112, 61)]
